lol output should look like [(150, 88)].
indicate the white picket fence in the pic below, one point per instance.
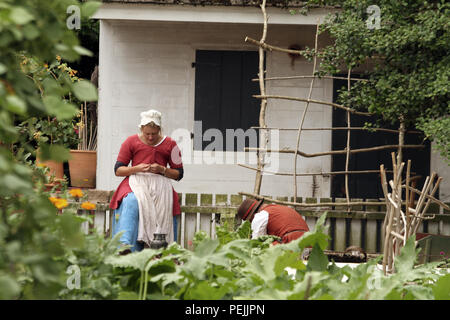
[(361, 227)]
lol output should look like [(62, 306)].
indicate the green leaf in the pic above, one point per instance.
[(14, 182), (128, 295), (3, 68), (415, 292), (30, 32), (83, 51), (71, 231), (20, 16), (54, 152), (206, 247), (288, 259), (9, 288), (441, 289), (205, 291), (85, 91), (89, 8), (408, 255), (16, 104), (317, 260), (59, 108), (136, 260)]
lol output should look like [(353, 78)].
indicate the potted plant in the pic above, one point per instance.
[(83, 161), (45, 131), (50, 131)]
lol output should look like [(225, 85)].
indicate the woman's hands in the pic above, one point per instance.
[(156, 168), (142, 167), (147, 167)]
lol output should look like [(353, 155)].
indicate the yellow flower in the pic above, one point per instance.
[(88, 205), (53, 199), (58, 58), (60, 203), (76, 193)]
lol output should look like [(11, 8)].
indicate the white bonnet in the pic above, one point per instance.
[(150, 116)]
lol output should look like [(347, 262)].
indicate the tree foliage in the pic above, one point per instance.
[(408, 58), (33, 238)]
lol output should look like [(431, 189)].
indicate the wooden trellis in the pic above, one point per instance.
[(264, 129), (400, 224)]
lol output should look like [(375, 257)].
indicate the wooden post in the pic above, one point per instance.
[(302, 120), (262, 113), (347, 155)]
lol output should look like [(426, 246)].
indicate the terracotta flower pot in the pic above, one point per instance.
[(83, 168), (56, 169)]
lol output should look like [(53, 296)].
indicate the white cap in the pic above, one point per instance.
[(150, 116)]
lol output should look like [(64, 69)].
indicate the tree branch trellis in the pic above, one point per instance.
[(264, 129)]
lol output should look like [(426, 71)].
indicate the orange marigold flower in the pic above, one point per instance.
[(76, 193), (88, 205), (53, 199), (61, 203)]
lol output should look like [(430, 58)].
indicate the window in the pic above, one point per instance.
[(368, 185), (225, 108)]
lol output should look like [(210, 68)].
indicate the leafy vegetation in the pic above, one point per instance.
[(235, 267), (33, 238)]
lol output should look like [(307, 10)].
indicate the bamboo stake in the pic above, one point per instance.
[(311, 173), (347, 154), (334, 128), (422, 212), (385, 192), (428, 201), (264, 46), (262, 113), (401, 140), (319, 154), (430, 197), (307, 77), (408, 218), (425, 189), (304, 113), (397, 235), (386, 251), (313, 101), (307, 205)]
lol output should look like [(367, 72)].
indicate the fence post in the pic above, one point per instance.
[(190, 219), (206, 220), (371, 229)]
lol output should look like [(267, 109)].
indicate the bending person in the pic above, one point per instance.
[(272, 219), (145, 201)]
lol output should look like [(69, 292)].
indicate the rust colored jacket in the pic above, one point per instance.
[(285, 223)]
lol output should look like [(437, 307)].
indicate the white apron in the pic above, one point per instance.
[(155, 199)]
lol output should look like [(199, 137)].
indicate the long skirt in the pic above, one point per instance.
[(145, 211), (155, 199)]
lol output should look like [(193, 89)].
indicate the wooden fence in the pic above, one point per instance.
[(361, 227)]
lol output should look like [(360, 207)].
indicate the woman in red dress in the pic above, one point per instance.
[(145, 200)]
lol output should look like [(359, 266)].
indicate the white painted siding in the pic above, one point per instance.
[(442, 168), (147, 65)]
